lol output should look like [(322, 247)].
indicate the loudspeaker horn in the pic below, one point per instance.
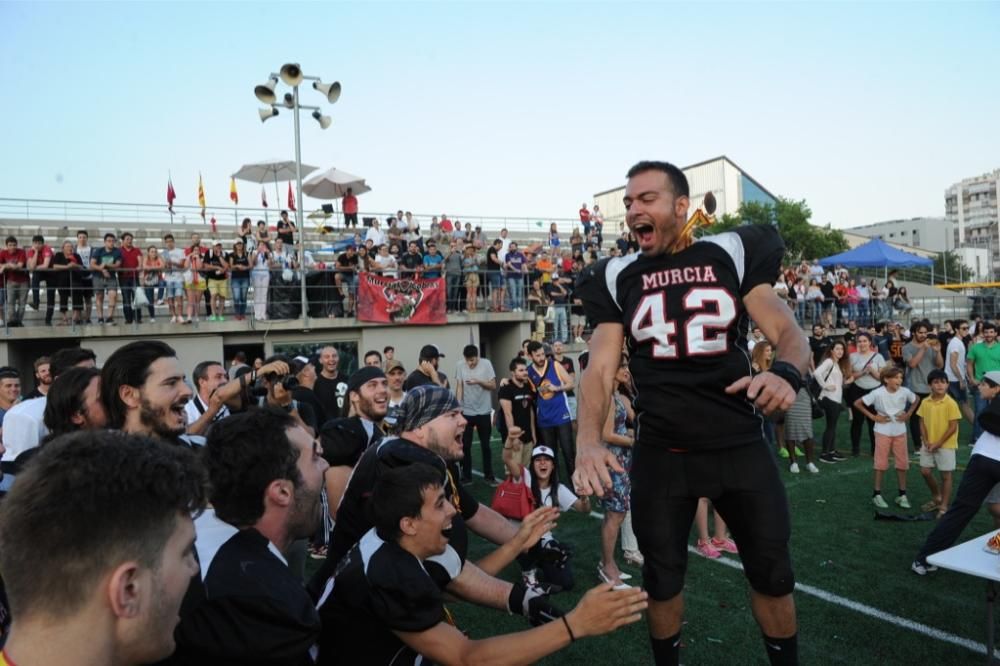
[(269, 112), (289, 100), (265, 91), (291, 74), (324, 121), (329, 90)]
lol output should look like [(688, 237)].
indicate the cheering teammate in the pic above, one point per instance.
[(684, 308)]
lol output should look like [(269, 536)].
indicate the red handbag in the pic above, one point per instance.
[(513, 499)]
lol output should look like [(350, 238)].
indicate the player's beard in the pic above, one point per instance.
[(156, 419), (307, 512)]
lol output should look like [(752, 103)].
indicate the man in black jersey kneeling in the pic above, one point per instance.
[(384, 608), (684, 309)]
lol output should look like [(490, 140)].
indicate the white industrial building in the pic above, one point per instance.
[(927, 233), (973, 205), (720, 176)]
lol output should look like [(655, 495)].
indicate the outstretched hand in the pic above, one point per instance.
[(591, 476), (767, 391), (535, 525)]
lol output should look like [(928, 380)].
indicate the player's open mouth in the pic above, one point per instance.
[(643, 231), (446, 532)]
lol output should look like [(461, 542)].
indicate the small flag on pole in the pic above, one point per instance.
[(291, 198), (171, 195), (263, 197), (201, 196), (212, 222), (233, 194)]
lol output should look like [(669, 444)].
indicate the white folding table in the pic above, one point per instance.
[(972, 559)]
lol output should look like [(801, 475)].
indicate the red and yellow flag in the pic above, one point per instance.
[(233, 195), (201, 196)]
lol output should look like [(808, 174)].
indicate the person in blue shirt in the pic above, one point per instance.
[(432, 261), (107, 260)]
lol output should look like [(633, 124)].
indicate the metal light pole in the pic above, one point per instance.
[(291, 74)]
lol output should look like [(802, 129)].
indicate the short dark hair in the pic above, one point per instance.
[(988, 325), (516, 361), (88, 502), (470, 351), (243, 454), (387, 349), (373, 352), (110, 235), (678, 181), (167, 237), (240, 356), (959, 323), (84, 232), (399, 493), (65, 398), (937, 375), (10, 239), (534, 346), (129, 366), (69, 357), (200, 371), (38, 238)]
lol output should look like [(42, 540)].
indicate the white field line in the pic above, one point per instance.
[(852, 605)]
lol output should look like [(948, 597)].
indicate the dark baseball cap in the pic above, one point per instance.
[(430, 351), (362, 376)]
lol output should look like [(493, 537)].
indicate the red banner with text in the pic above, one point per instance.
[(392, 301)]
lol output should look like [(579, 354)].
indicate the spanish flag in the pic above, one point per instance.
[(233, 195), (201, 196)]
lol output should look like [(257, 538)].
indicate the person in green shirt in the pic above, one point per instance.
[(983, 357)]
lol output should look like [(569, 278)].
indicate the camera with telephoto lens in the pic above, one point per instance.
[(288, 382)]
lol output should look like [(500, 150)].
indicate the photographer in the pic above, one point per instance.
[(274, 389), (270, 385)]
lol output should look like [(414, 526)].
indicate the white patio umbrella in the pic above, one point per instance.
[(333, 184), (271, 171)]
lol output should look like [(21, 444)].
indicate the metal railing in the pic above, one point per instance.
[(119, 213), (65, 298)]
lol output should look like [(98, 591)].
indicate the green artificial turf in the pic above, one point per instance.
[(837, 547)]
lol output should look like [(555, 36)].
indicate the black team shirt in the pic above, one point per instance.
[(686, 327), (332, 394)]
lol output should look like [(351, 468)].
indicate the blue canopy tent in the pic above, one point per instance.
[(877, 252)]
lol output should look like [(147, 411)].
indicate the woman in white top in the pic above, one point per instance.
[(833, 374), (799, 291), (384, 263), (375, 234), (542, 481), (864, 305), (814, 298), (260, 277), (866, 366)]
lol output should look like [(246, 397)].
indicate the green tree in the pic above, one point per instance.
[(803, 240)]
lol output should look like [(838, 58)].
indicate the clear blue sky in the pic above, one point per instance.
[(866, 111)]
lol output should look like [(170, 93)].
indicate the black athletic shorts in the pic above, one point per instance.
[(743, 484)]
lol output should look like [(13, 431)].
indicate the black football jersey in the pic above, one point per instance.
[(686, 330)]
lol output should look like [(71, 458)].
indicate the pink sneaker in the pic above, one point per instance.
[(706, 549), (726, 544)]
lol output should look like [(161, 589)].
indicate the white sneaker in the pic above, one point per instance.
[(578, 340), (794, 468), (812, 468)]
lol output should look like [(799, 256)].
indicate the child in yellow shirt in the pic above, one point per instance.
[(939, 416)]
